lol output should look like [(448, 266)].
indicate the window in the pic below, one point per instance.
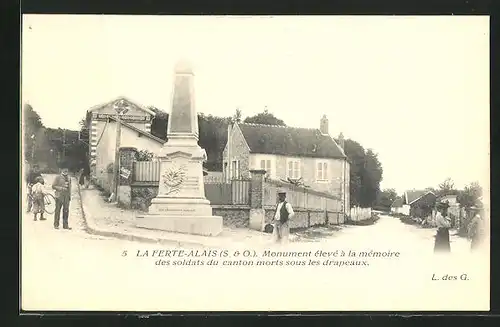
[(321, 171), (235, 169), (293, 169), (266, 165)]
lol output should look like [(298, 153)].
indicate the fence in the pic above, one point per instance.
[(358, 214), (217, 191), (146, 171), (236, 192), (301, 197)]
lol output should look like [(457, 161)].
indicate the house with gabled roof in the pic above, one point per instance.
[(419, 203), (310, 155), (135, 132)]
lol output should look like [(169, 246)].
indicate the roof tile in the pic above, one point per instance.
[(289, 141)]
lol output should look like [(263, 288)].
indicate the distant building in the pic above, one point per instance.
[(397, 207), (419, 203), (309, 154)]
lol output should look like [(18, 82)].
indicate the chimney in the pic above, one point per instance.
[(323, 126), (341, 140)]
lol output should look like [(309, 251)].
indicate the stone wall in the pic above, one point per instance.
[(307, 218), (233, 216)]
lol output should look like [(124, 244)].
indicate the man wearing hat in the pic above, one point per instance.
[(284, 212), (62, 187)]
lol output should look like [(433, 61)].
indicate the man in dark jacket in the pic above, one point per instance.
[(62, 187), (284, 212)]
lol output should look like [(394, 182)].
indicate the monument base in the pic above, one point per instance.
[(181, 215), (201, 225)]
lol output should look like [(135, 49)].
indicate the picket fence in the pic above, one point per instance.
[(217, 191), (358, 214), (146, 171), (300, 197)]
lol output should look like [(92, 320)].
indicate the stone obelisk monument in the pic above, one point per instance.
[(181, 205)]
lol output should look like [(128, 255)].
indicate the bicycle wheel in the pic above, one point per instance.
[(50, 203)]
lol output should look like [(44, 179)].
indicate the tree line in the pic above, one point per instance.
[(55, 148), (51, 148)]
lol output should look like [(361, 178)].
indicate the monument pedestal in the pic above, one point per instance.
[(181, 205)]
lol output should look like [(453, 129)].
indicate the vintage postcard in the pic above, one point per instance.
[(255, 163)]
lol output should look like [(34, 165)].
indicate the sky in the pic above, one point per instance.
[(415, 89)]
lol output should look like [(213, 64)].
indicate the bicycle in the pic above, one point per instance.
[(48, 199)]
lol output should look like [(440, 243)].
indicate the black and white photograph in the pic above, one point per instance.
[(255, 163)]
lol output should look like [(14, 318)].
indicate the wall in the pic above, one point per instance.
[(305, 218), (238, 151), (358, 214), (405, 210), (233, 216), (129, 138)]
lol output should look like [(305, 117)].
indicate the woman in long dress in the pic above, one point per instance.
[(443, 224)]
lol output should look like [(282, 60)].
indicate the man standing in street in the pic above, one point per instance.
[(284, 212), (62, 187)]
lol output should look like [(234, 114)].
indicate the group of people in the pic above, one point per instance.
[(443, 224), (36, 193)]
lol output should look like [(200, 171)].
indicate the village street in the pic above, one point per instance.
[(70, 269)]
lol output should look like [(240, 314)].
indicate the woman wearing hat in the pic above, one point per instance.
[(443, 224)]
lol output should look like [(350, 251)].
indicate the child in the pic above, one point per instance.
[(38, 201)]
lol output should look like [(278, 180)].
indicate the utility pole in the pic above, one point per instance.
[(121, 108), (33, 145), (64, 145)]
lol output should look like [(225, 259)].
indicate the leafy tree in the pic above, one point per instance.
[(386, 198), (371, 177), (365, 174), (446, 187), (265, 118), (144, 155), (470, 196), (32, 125), (237, 116)]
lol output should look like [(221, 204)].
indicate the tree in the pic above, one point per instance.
[(265, 118), (159, 123), (365, 174), (237, 116), (470, 196), (371, 177), (386, 198), (446, 187), (32, 125), (468, 199)]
